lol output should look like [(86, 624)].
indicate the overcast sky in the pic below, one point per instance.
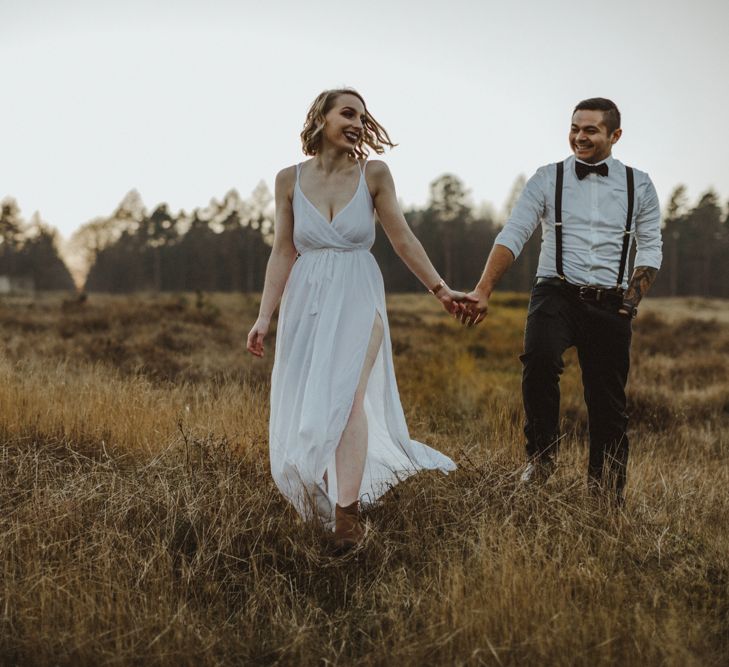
[(184, 100)]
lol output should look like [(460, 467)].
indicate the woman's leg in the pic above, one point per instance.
[(352, 449)]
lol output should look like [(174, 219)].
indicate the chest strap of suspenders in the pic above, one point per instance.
[(558, 221), (628, 222), (558, 217)]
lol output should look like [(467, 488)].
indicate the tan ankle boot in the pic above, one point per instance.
[(348, 531)]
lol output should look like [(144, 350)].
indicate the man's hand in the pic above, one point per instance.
[(640, 282), (475, 309), (454, 302), (499, 261), (627, 310)]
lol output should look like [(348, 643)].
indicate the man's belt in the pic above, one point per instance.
[(604, 296)]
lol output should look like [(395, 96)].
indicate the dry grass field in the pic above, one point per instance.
[(140, 526)]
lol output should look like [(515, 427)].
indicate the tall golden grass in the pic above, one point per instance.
[(140, 526)]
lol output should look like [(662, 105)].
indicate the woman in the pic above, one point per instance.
[(337, 429)]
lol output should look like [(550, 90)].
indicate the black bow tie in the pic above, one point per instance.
[(583, 169)]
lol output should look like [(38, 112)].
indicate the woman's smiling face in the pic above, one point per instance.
[(345, 122)]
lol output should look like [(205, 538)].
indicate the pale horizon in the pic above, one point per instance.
[(185, 101)]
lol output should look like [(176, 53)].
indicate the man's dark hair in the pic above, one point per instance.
[(610, 112)]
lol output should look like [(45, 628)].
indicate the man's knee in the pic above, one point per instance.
[(542, 360)]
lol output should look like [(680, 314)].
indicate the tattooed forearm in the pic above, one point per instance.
[(640, 282)]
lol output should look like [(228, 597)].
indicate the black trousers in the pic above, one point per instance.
[(557, 320)]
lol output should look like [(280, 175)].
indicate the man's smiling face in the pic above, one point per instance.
[(590, 139)]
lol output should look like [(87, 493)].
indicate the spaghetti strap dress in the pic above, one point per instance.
[(332, 297)]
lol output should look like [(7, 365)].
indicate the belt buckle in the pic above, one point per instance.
[(591, 293)]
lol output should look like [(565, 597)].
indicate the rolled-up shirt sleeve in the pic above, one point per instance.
[(648, 241), (525, 216)]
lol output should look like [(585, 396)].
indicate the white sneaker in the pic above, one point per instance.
[(537, 472), (323, 507)]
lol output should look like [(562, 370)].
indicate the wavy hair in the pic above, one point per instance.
[(373, 134)]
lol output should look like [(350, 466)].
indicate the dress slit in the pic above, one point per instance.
[(330, 473)]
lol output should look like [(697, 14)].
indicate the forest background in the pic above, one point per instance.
[(224, 246)]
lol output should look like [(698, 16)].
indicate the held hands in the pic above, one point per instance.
[(475, 308), (256, 336), (453, 301)]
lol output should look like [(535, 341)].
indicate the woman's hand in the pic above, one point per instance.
[(476, 309), (453, 301), (256, 336)]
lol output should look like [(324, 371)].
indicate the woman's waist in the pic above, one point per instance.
[(322, 269), (328, 249)]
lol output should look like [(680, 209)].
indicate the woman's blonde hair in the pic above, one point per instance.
[(373, 134)]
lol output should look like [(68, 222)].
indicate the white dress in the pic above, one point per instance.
[(332, 296)]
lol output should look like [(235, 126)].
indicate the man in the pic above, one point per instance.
[(591, 208)]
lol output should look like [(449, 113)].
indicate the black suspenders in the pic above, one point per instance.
[(558, 221), (558, 217), (626, 234)]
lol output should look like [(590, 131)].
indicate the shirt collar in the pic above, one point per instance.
[(608, 161)]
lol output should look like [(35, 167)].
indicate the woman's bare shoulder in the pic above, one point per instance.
[(377, 168), (286, 175), (378, 175), (285, 179)]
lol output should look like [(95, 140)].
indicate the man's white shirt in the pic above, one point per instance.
[(594, 213)]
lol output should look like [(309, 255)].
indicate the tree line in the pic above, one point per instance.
[(225, 245), (29, 250)]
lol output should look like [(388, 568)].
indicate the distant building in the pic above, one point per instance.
[(16, 284)]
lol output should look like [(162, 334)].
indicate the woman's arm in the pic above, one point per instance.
[(280, 261), (404, 242)]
